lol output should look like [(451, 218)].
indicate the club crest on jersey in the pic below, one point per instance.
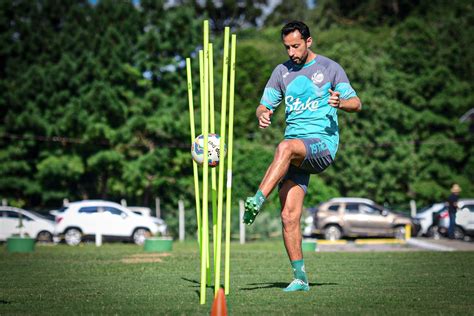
[(317, 77)]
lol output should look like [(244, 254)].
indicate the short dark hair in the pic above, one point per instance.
[(296, 26)]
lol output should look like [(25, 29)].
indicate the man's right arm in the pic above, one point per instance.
[(264, 116)]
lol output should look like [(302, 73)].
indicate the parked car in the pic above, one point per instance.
[(357, 217), (434, 220), (465, 219), (35, 225), (146, 211), (82, 220)]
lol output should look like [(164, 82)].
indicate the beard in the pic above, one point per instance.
[(300, 60)]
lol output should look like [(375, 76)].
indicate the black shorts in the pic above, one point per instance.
[(317, 159)]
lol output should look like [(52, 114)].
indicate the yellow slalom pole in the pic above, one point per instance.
[(229, 166), (201, 86), (206, 139), (193, 136), (205, 173), (220, 194), (213, 170)]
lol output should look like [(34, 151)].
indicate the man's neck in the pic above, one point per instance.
[(310, 58)]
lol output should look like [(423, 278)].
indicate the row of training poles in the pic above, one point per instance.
[(206, 76)]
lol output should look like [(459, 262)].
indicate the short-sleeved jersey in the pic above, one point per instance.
[(305, 90)]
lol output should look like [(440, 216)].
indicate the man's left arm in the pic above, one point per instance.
[(349, 105)]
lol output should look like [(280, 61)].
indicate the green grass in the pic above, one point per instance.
[(88, 280)]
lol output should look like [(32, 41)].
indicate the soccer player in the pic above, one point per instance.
[(313, 88)]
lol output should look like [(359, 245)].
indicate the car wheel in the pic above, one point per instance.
[(44, 237), (459, 233), (434, 233), (399, 232), (73, 236), (332, 233), (139, 235)]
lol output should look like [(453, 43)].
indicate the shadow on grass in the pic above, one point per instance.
[(197, 284), (280, 285)]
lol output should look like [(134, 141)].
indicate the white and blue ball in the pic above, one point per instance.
[(214, 151)]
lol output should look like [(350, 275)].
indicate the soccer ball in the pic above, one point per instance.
[(214, 152)]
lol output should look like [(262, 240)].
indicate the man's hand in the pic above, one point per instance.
[(334, 100), (264, 116), (349, 105)]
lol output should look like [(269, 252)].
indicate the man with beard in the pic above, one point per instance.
[(313, 88)]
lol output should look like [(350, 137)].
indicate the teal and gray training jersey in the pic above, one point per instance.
[(304, 88)]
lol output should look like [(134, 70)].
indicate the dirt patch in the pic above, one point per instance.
[(141, 260), (145, 258), (150, 255)]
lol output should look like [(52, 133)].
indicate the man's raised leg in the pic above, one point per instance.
[(289, 151)]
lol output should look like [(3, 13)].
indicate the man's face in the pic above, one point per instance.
[(296, 47)]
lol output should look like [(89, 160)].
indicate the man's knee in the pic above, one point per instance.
[(291, 148), (284, 149), (290, 218)]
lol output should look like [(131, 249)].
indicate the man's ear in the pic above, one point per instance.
[(309, 41)]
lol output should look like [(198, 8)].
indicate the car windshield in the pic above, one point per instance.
[(425, 208), (62, 209), (43, 216), (380, 208)]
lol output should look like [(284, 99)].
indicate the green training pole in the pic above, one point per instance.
[(229, 165), (220, 194), (193, 136), (213, 170), (205, 172)]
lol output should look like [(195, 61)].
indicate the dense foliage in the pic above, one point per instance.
[(94, 102)]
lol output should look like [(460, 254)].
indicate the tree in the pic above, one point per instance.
[(235, 14)]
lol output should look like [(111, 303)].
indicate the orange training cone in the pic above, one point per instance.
[(219, 307)]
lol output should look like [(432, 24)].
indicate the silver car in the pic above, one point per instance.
[(357, 217)]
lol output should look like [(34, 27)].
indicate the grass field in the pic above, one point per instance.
[(122, 279)]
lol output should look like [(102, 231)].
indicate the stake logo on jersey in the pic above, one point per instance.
[(305, 90), (295, 105)]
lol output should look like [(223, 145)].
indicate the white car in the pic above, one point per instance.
[(34, 225), (146, 211), (434, 220), (84, 219), (465, 219)]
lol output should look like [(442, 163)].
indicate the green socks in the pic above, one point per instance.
[(300, 282), (259, 199), (298, 270)]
